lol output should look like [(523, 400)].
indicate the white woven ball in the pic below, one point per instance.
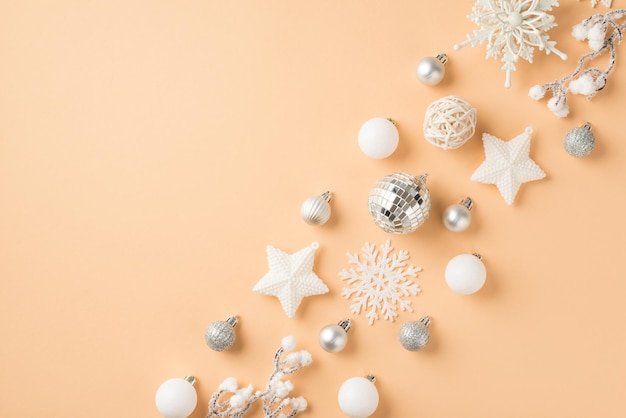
[(449, 122)]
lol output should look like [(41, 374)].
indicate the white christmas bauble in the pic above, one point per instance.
[(358, 397), (176, 398), (465, 274), (378, 138)]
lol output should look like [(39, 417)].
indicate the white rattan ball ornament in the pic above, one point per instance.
[(449, 122)]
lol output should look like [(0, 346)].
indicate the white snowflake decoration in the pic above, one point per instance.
[(512, 29), (379, 282)]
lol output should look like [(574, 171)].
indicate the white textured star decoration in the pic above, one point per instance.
[(291, 277), (512, 29), (507, 164)]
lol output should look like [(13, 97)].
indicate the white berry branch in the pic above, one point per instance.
[(276, 404), (586, 81)]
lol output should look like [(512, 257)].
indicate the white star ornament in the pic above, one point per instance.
[(290, 277), (507, 164)]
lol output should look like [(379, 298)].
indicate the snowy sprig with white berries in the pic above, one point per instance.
[(603, 33), (276, 404)]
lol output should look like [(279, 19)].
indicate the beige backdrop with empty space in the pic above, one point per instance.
[(150, 150)]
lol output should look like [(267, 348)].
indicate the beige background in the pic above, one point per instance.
[(150, 150)]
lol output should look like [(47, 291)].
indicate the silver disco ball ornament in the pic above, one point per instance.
[(400, 203)]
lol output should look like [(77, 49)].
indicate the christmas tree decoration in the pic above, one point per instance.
[(414, 334), (607, 3), (512, 29), (457, 218), (276, 403), (579, 142), (378, 138), (291, 277), (333, 338), (449, 122), (400, 203), (603, 33), (220, 335), (358, 397), (507, 164), (176, 398), (379, 281), (466, 273), (316, 210), (431, 70)]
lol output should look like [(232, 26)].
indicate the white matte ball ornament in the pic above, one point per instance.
[(177, 398), (358, 397), (466, 274), (378, 138), (431, 70)]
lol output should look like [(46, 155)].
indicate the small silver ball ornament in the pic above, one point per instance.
[(316, 210), (458, 217), (431, 70), (220, 335), (400, 203), (579, 142), (333, 338), (414, 334)]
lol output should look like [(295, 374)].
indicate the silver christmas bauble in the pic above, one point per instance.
[(431, 70), (220, 335), (414, 334), (579, 142), (400, 203), (333, 338), (316, 210), (458, 217)]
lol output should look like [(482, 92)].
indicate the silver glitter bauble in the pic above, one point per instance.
[(579, 142), (400, 203), (333, 338), (220, 335), (457, 217), (431, 70), (414, 334), (316, 210)]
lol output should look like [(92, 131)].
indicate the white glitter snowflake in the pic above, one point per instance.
[(379, 282), (512, 29)]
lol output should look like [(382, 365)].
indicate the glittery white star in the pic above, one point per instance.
[(507, 164), (291, 277), (512, 29)]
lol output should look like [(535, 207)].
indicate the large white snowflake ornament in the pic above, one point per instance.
[(379, 282), (512, 29)]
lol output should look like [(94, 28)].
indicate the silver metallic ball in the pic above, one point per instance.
[(414, 334), (333, 338), (431, 70), (220, 335), (316, 210), (400, 203), (458, 217), (579, 142)]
